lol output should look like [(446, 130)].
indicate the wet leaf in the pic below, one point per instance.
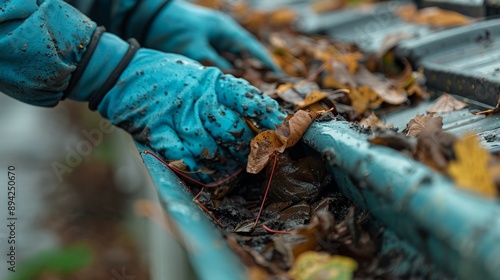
[(285, 136), (307, 237), (470, 169), (417, 124), (318, 266), (390, 138), (445, 104), (297, 180)]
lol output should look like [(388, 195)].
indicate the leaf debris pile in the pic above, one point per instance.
[(307, 227)]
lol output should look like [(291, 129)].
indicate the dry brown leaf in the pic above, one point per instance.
[(405, 78), (432, 16), (435, 146), (262, 147), (417, 124), (285, 136), (339, 75), (470, 169), (445, 104), (292, 131), (386, 90), (390, 138), (372, 121)]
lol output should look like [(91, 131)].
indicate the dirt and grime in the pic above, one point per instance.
[(302, 209)]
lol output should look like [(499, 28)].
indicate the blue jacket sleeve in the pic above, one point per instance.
[(41, 42)]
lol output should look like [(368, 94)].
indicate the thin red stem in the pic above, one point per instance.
[(209, 213), (267, 190), (195, 199), (270, 230), (183, 175)]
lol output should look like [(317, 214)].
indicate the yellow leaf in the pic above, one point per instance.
[(322, 266), (311, 99), (470, 170)]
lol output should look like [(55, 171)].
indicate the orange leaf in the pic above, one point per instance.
[(312, 98)]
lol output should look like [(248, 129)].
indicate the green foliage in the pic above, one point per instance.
[(61, 262)]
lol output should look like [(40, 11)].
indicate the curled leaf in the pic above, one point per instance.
[(269, 142), (417, 124)]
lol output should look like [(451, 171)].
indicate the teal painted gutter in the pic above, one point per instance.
[(207, 250), (458, 231)]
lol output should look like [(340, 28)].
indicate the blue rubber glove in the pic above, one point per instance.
[(190, 30), (179, 108)]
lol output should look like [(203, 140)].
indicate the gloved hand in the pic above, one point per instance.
[(193, 31), (179, 108), (183, 110)]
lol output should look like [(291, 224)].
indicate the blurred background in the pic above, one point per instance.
[(84, 206)]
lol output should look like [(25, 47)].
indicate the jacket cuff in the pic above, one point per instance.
[(39, 48), (103, 64)]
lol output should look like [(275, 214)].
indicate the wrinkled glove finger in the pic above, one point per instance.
[(229, 130), (173, 148), (204, 52), (248, 101)]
